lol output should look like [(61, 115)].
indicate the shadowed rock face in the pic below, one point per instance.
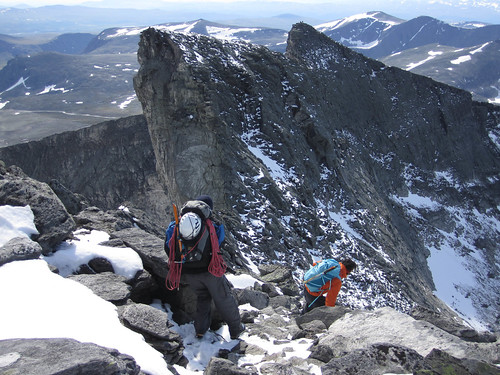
[(110, 164)]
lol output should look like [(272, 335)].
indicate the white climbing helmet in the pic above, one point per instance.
[(189, 226)]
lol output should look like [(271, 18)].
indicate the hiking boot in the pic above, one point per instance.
[(236, 335)]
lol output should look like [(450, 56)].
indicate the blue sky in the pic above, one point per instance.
[(446, 10)]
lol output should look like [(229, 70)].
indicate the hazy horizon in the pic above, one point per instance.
[(447, 11)]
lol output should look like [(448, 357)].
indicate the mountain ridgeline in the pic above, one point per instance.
[(318, 152), (315, 151)]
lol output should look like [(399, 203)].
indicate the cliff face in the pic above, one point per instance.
[(320, 151), (110, 164)]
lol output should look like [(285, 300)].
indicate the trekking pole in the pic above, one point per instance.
[(312, 303)]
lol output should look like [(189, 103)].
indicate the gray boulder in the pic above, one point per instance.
[(62, 356), (281, 276), (144, 288), (19, 248), (109, 286), (315, 327), (154, 325), (386, 325), (277, 273), (107, 221), (281, 369), (257, 299), (377, 359), (148, 246), (52, 220), (218, 366), (286, 302), (147, 320), (322, 353), (325, 314)]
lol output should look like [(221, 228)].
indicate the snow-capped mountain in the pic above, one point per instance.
[(361, 31), (124, 40), (73, 91), (475, 69), (411, 45), (376, 34)]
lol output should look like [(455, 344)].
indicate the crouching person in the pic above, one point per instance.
[(325, 278)]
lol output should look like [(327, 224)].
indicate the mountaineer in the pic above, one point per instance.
[(325, 277), (192, 244)]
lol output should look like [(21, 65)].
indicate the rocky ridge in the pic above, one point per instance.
[(298, 168), (337, 340), (283, 145)]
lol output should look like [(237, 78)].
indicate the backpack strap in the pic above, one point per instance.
[(175, 268), (217, 266)]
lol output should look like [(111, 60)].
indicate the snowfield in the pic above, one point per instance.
[(84, 316)]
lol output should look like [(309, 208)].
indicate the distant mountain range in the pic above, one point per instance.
[(376, 34), (467, 57), (76, 79), (125, 39)]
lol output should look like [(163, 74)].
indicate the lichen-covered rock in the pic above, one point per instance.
[(377, 359), (107, 285), (62, 356), (52, 220), (19, 248)]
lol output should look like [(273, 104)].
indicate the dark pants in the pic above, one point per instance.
[(207, 288), (312, 301)]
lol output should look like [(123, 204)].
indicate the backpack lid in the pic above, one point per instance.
[(202, 209)]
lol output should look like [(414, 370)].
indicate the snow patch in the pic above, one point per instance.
[(432, 55), (70, 255), (480, 49), (51, 88), (461, 60), (16, 222), (129, 100), (242, 281), (21, 81)]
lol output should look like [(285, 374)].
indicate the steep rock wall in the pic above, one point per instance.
[(110, 164)]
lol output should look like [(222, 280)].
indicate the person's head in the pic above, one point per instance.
[(207, 199), (349, 265)]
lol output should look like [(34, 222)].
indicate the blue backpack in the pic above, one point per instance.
[(321, 273)]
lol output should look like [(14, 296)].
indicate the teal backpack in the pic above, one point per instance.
[(321, 273)]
